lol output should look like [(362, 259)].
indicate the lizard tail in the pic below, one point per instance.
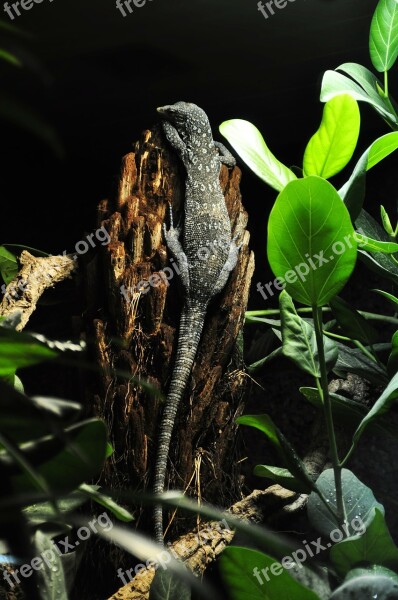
[(191, 325)]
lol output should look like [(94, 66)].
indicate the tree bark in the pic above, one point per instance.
[(145, 318)]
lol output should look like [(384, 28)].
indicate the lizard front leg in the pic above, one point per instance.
[(225, 155), (174, 140), (172, 237)]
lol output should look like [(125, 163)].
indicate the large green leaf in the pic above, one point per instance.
[(299, 340), (311, 245), (252, 575), (332, 146), (364, 77), (359, 502), (50, 572), (383, 42), (335, 84), (251, 147), (373, 546), (353, 191)]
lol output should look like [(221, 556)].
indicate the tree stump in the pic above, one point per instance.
[(133, 305)]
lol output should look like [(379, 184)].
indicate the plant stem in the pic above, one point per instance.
[(323, 389), (275, 311), (386, 83)]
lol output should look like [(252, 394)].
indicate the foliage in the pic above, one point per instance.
[(312, 250)]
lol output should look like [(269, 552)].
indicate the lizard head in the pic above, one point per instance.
[(187, 118)]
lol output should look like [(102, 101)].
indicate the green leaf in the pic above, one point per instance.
[(248, 142), (364, 77), (381, 406), (353, 324), (366, 243), (335, 84), (252, 575), (259, 364), (8, 265), (371, 585), (286, 451), (107, 502), (10, 58), (311, 247), (383, 264), (81, 459), (166, 586), (23, 418), (50, 574), (44, 512), (350, 413), (281, 476), (358, 499), (20, 350), (332, 146), (390, 297), (353, 360), (373, 546), (299, 340), (353, 191), (383, 42), (385, 219)]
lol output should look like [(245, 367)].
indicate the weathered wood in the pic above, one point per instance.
[(37, 274), (146, 317), (200, 548)]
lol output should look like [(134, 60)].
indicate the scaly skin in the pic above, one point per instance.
[(205, 258)]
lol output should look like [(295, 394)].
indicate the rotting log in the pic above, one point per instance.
[(144, 317)]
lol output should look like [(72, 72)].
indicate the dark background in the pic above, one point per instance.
[(96, 77)]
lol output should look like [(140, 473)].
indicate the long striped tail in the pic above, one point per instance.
[(191, 325)]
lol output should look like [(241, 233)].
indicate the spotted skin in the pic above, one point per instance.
[(204, 251)]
